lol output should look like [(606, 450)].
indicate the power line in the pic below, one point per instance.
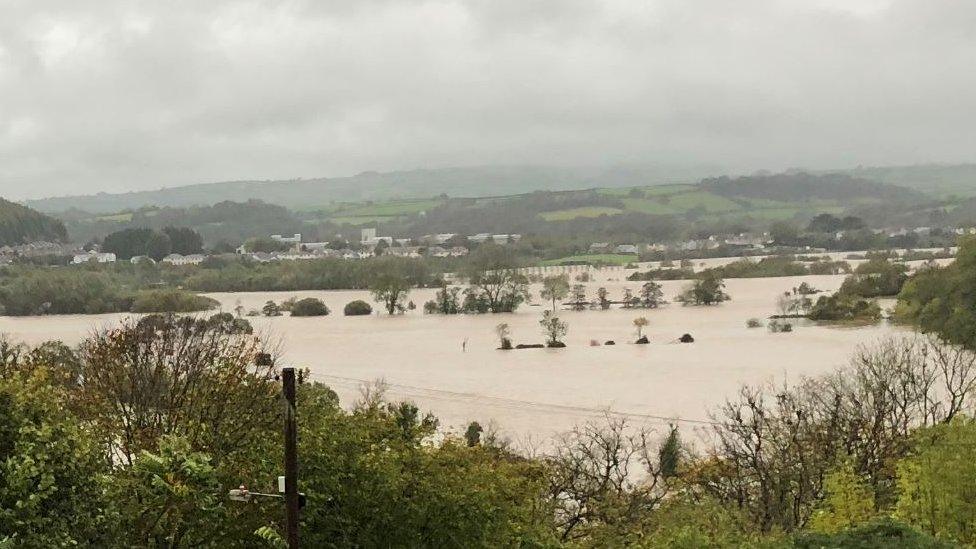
[(456, 396)]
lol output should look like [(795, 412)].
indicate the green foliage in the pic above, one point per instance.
[(663, 274), (309, 306), (942, 300), (128, 243), (322, 274), (876, 278), (849, 502), (50, 469), (61, 291), (390, 286), (936, 484), (170, 301), (651, 295), (265, 244), (553, 328), (841, 306), (708, 290), (369, 485), (20, 225), (554, 288), (881, 534), (766, 267), (357, 308), (270, 309), (496, 285), (170, 498), (184, 240), (446, 301), (685, 523)]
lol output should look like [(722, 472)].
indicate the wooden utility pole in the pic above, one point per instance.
[(291, 459)]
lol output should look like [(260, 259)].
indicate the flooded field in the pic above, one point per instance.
[(450, 366)]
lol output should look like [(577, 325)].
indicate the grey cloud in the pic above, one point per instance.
[(125, 95)]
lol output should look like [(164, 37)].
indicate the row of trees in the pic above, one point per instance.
[(128, 243), (82, 291)]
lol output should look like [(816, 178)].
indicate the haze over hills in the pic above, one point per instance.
[(481, 181), (303, 194)]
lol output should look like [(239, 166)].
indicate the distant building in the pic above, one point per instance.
[(98, 257), (367, 234), (626, 249), (177, 259), (599, 247), (372, 242), (403, 251), (142, 259), (293, 240)]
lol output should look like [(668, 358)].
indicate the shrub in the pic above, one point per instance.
[(357, 308), (170, 301), (309, 306), (775, 326), (844, 307), (754, 323)]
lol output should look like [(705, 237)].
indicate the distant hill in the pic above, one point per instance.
[(795, 187), (306, 194), (939, 180), (19, 225)]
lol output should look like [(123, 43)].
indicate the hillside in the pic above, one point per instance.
[(19, 224), (940, 180), (304, 194), (751, 201)]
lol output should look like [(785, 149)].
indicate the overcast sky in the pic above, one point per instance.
[(125, 95)]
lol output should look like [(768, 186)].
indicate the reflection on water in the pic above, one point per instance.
[(539, 392)]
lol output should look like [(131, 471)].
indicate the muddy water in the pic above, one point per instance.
[(450, 365)]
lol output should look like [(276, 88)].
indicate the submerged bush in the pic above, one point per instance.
[(171, 301), (357, 308), (309, 306)]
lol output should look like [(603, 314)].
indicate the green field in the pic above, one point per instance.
[(121, 218), (610, 259), (573, 213), (365, 213)]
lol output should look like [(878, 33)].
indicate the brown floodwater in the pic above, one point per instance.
[(449, 364)]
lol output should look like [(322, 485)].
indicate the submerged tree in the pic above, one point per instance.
[(651, 295), (708, 290), (554, 329), (390, 287), (639, 323), (496, 284), (555, 288), (579, 297), (504, 332)]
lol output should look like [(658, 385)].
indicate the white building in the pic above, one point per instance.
[(367, 234), (98, 257), (177, 259), (293, 240), (142, 259), (626, 249)]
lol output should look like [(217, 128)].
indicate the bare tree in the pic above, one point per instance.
[(606, 474), (776, 444)]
